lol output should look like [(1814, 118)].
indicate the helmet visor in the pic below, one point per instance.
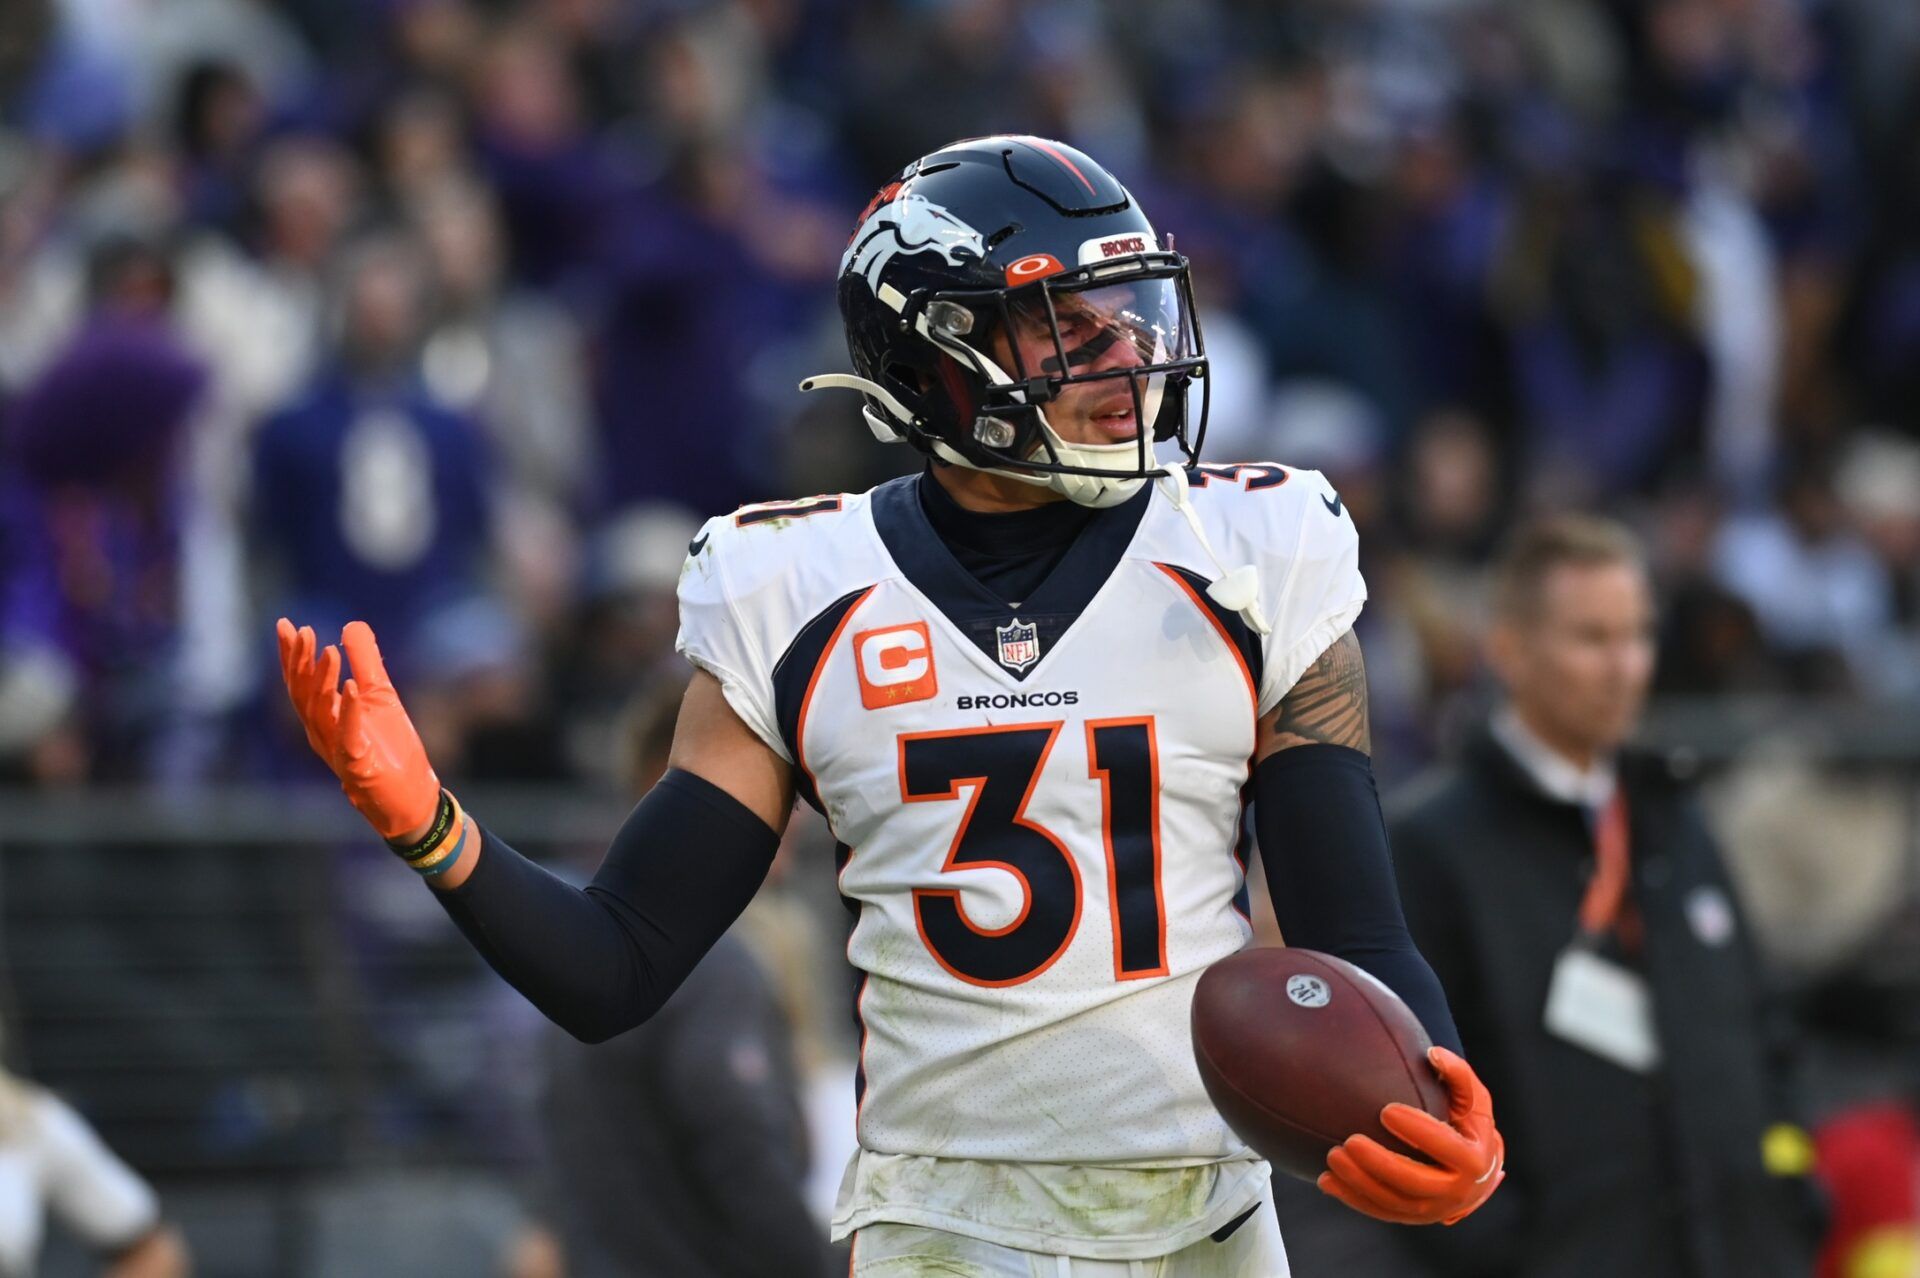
[(1098, 330)]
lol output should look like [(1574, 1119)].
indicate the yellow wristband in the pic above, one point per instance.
[(445, 860)]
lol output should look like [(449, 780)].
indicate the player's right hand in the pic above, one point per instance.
[(1465, 1156), (360, 730)]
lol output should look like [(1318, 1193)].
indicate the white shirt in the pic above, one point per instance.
[(51, 1161), (1557, 776)]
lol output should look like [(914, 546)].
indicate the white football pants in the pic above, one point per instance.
[(909, 1251)]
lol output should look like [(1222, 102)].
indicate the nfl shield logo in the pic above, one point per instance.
[(1019, 643)]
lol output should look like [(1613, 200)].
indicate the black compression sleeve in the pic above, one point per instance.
[(601, 959), (1323, 842)]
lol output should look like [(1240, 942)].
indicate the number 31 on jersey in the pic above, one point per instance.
[(995, 770)]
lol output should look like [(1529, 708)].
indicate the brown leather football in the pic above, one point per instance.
[(1300, 1050)]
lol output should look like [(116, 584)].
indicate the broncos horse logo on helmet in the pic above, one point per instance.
[(909, 224), (995, 235)]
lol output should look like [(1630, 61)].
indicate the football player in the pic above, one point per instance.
[(1030, 689)]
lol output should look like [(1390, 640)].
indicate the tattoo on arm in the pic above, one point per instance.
[(1328, 705)]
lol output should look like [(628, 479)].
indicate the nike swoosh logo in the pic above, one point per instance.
[(1333, 504), (697, 545)]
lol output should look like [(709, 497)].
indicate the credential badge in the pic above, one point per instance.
[(1019, 643)]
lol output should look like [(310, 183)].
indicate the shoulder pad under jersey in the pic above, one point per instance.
[(1294, 529), (754, 578)]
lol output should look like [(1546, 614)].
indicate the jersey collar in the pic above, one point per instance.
[(972, 609)]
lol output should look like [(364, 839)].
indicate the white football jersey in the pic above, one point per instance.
[(1037, 805)]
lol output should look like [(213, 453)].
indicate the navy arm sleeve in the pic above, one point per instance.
[(600, 960), (1323, 841)]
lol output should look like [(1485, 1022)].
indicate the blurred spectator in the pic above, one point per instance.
[(540, 157), (51, 1161), (218, 116), (170, 41), (1736, 314), (256, 305), (372, 497), (1878, 482), (513, 361), (421, 147), (714, 255), (1823, 600), (1710, 641), (1599, 299), (91, 492), (1622, 1023), (622, 631), (1431, 557)]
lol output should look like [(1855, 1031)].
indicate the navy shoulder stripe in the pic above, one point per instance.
[(1231, 623), (793, 675)]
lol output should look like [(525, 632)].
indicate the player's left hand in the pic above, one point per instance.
[(1467, 1152)]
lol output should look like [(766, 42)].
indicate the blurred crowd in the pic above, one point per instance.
[(458, 315)]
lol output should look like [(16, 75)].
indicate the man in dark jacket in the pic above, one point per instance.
[(1578, 913), (679, 1148)]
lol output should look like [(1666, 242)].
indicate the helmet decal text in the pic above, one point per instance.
[(1112, 246)]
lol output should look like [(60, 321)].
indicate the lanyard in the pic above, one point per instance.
[(1605, 904)]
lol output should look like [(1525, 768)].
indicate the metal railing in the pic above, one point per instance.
[(256, 1011)]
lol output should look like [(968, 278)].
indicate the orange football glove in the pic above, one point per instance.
[(360, 730), (1467, 1153)]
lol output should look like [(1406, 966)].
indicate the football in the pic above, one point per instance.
[(1300, 1050)]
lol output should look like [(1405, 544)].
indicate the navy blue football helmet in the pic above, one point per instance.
[(974, 263)]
